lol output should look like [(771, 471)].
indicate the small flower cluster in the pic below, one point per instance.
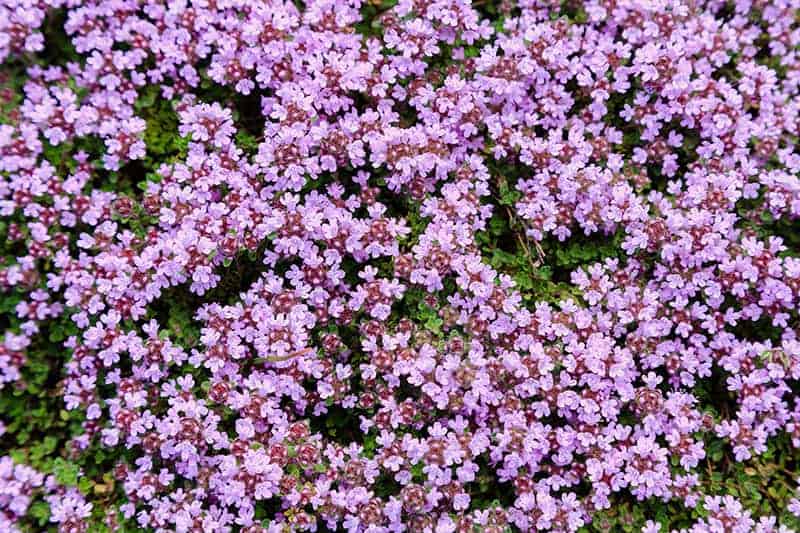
[(19, 484), (16, 487), (363, 195)]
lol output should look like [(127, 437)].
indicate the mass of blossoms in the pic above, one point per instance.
[(275, 265)]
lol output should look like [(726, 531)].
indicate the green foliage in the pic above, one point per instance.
[(580, 251), (66, 473), (161, 132)]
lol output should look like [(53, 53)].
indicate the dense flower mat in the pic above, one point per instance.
[(423, 266)]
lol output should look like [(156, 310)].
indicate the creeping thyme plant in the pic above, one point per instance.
[(442, 266)]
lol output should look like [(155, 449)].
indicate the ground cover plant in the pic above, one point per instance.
[(418, 265)]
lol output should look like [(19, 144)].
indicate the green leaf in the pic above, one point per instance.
[(40, 512), (66, 473)]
